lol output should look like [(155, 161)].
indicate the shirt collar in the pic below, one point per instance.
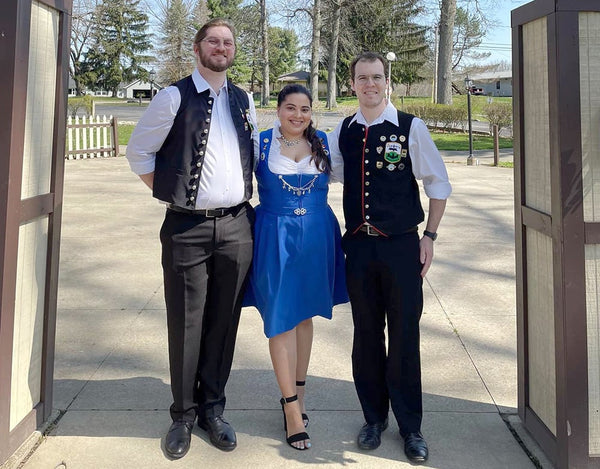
[(390, 114), (276, 129), (202, 85)]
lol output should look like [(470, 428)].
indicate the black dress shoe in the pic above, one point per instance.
[(369, 436), (220, 432), (415, 447), (177, 442)]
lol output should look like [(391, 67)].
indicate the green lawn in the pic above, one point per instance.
[(444, 141), (460, 141), (125, 133)]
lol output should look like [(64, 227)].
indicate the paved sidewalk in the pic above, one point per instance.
[(111, 387)]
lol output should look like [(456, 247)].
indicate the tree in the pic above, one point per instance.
[(223, 8), (444, 69), (246, 67), (81, 36), (411, 58), (120, 45), (283, 51), (200, 14), (315, 46), (336, 14), (468, 34), (391, 27), (264, 33), (177, 33)]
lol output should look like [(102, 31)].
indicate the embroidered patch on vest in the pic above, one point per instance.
[(392, 152)]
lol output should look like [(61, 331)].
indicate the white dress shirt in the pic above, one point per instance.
[(222, 179), (427, 163)]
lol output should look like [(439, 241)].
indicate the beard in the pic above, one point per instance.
[(212, 64)]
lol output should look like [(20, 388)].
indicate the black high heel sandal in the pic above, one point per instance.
[(305, 418), (297, 436)]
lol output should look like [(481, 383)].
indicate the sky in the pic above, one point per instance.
[(498, 40)]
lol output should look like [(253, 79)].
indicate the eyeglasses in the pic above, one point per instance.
[(364, 79), (216, 42)]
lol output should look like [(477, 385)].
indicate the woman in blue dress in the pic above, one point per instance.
[(298, 264)]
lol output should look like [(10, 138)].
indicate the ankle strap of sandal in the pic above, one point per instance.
[(291, 399), (300, 383)]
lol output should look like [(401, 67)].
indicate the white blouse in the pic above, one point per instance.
[(280, 164)]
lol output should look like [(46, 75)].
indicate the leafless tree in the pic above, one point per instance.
[(82, 24), (297, 14), (264, 31), (336, 11), (444, 69), (315, 46)]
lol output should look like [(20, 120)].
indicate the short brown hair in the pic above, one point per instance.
[(368, 57), (201, 34)]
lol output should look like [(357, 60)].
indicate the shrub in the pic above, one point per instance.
[(439, 115), (499, 114), (80, 102)]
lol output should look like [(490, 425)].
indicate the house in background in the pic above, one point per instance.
[(300, 77), (137, 89), (72, 90), (494, 83), (133, 90)]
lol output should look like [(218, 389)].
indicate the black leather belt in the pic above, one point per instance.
[(370, 230), (208, 212)]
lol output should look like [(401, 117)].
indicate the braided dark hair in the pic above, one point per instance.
[(319, 157)]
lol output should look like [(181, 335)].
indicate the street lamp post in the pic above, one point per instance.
[(468, 86), (390, 56), (152, 76)]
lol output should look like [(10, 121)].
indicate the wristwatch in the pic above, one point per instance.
[(429, 234)]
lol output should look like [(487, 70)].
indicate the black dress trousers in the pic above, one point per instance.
[(384, 281), (205, 265)]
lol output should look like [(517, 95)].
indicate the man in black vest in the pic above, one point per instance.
[(378, 154), (194, 148)]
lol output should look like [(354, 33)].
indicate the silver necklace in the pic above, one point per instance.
[(299, 190), (290, 143)]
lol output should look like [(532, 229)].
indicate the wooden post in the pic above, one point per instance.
[(556, 102), (115, 135), (496, 144), (34, 79)]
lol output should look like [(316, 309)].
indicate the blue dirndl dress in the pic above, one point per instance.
[(298, 264)]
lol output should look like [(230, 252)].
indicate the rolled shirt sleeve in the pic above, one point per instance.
[(337, 161), (427, 163), (152, 130)]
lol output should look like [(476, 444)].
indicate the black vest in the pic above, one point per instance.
[(379, 185), (179, 161)]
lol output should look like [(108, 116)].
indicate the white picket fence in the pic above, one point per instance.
[(89, 137)]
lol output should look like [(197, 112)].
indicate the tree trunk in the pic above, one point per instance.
[(316, 40), (264, 29), (444, 77), (333, 51)]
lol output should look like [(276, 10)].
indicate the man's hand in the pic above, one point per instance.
[(426, 253)]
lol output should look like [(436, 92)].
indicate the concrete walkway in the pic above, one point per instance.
[(111, 386)]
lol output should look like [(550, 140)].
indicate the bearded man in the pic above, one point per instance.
[(194, 148)]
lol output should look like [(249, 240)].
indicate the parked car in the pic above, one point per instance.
[(477, 91)]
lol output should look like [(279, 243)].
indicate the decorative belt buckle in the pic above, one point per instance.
[(300, 211), (371, 231)]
